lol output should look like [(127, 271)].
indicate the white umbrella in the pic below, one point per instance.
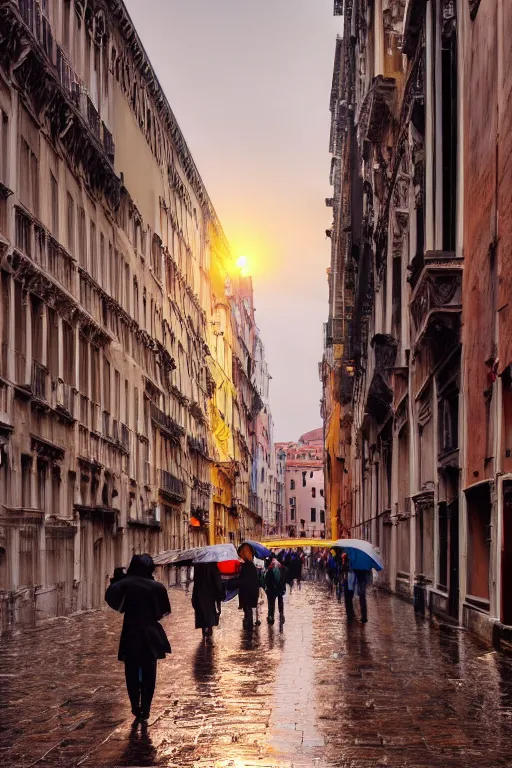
[(213, 553)]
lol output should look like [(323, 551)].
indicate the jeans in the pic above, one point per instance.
[(140, 682), (271, 600)]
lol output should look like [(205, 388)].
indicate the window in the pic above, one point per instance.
[(126, 402), (95, 375), (322, 492), (311, 475), (54, 193), (84, 366), (29, 177), (292, 513), (66, 24), (262, 475), (106, 385), (127, 287), (117, 395), (52, 343), (41, 484), (322, 516), (313, 493), (26, 476), (304, 474), (71, 225), (82, 238), (68, 336), (292, 485), (102, 267), (313, 515), (94, 252), (3, 147)]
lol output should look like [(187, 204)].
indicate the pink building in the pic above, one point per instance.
[(304, 486)]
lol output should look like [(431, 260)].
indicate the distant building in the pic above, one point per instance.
[(304, 514)]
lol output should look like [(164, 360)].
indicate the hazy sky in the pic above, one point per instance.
[(249, 82)]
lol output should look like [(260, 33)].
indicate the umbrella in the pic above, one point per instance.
[(362, 555), (214, 553), (260, 550)]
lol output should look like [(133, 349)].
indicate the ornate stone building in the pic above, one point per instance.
[(117, 318), (417, 354)]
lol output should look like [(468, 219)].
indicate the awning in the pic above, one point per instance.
[(293, 543)]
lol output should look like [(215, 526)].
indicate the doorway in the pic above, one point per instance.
[(453, 594), (506, 556)]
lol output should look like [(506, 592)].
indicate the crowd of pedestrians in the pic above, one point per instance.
[(144, 602)]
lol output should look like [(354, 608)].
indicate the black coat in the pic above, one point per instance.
[(144, 602), (248, 584), (207, 595)]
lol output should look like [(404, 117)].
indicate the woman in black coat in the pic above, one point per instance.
[(144, 602), (248, 584), (207, 595)]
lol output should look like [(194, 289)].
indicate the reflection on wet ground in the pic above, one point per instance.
[(398, 692)]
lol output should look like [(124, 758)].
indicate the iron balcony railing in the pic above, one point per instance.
[(40, 26), (172, 485), (167, 424)]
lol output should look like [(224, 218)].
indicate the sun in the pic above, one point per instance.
[(243, 265)]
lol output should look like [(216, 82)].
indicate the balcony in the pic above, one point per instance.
[(167, 425), (34, 241), (39, 381), (23, 232), (198, 445), (108, 143), (93, 118), (380, 393), (52, 56), (172, 487), (66, 401), (436, 301)]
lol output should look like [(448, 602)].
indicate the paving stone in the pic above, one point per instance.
[(395, 693)]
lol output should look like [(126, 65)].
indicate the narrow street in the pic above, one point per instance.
[(399, 691)]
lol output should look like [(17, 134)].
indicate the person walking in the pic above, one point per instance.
[(143, 641), (207, 595), (248, 584), (275, 588), (362, 579), (348, 580)]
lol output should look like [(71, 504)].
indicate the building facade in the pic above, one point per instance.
[(124, 423), (304, 487), (416, 369)]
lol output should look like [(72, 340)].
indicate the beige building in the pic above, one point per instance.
[(107, 312)]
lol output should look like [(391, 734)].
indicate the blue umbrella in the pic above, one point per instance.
[(362, 555), (260, 551)]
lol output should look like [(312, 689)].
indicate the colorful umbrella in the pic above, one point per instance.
[(260, 551), (361, 554)]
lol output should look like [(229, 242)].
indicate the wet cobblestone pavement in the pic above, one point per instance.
[(398, 692)]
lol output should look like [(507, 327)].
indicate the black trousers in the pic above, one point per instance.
[(349, 602), (271, 600), (140, 682), (248, 618)]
